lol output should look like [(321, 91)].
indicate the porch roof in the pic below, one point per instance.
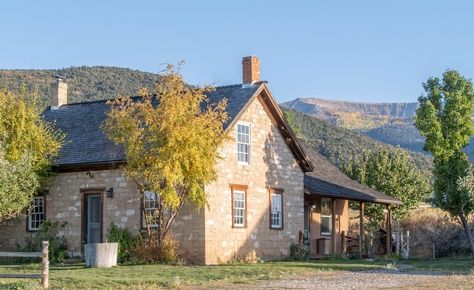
[(326, 180)]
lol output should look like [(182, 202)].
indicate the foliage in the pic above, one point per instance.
[(341, 145), (444, 118), (298, 252), (49, 231), (389, 172), (433, 226), (148, 249), (125, 239), (171, 142), (27, 145), (84, 83), (18, 183)]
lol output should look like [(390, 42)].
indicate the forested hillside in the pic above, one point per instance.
[(84, 83), (340, 144)]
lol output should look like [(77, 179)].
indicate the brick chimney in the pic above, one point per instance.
[(250, 70), (58, 92)]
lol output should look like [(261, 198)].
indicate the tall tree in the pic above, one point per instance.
[(27, 146), (391, 173), (444, 118), (171, 141)]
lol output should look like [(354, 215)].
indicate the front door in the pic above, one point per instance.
[(92, 218)]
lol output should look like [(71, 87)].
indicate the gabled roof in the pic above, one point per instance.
[(86, 145), (326, 180)]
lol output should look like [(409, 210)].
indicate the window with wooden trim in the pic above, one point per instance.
[(151, 205), (36, 214), (243, 143), (276, 210), (239, 208), (326, 216)]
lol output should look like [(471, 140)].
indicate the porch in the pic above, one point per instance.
[(328, 192)]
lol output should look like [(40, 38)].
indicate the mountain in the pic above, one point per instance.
[(341, 144), (84, 83), (390, 123)]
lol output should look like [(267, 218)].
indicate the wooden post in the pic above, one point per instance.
[(333, 226), (343, 243), (45, 263), (361, 229), (397, 241), (389, 230)]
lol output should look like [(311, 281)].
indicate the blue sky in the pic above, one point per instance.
[(370, 51)]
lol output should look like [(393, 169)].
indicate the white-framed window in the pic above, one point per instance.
[(36, 214), (151, 204), (238, 208), (276, 210), (243, 143), (326, 216)]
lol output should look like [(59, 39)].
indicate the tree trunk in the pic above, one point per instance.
[(465, 224)]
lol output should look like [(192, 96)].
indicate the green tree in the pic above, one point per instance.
[(171, 141), (391, 173), (27, 145), (444, 118)]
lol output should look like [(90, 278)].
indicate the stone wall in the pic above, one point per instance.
[(64, 204), (272, 165)]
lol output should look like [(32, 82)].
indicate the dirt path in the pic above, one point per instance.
[(381, 279)]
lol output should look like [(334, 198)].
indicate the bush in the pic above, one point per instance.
[(125, 240), (431, 225), (147, 250), (299, 252), (49, 231)]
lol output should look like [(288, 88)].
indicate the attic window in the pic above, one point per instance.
[(243, 143)]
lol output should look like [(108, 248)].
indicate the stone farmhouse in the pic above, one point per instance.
[(270, 192)]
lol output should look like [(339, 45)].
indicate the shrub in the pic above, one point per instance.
[(299, 252), (48, 231), (431, 225), (147, 250), (125, 240)]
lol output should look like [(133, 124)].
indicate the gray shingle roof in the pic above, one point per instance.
[(86, 143), (327, 180)]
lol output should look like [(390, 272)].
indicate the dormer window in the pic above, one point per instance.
[(243, 143)]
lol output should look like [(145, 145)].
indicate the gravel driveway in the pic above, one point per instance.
[(381, 279)]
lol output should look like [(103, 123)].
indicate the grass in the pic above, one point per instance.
[(167, 276)]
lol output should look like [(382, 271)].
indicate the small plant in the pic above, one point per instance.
[(299, 252), (125, 239), (49, 231), (147, 249)]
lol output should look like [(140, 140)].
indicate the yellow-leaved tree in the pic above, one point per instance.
[(171, 140), (27, 146)]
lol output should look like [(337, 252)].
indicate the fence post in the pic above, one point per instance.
[(408, 244), (45, 263)]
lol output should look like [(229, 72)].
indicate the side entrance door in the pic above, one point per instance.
[(92, 218)]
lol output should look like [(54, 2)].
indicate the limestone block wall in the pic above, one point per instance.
[(272, 165), (64, 204)]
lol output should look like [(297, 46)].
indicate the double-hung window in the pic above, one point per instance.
[(243, 143), (326, 216), (238, 208), (36, 214), (276, 209), (151, 204)]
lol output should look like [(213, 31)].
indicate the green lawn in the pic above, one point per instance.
[(154, 276)]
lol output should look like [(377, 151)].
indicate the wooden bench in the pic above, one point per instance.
[(44, 276)]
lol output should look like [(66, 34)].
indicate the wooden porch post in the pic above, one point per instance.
[(333, 226), (389, 230), (362, 231)]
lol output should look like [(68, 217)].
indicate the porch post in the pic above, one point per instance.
[(333, 226), (389, 230), (361, 229)]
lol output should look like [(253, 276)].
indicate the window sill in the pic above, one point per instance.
[(243, 163)]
